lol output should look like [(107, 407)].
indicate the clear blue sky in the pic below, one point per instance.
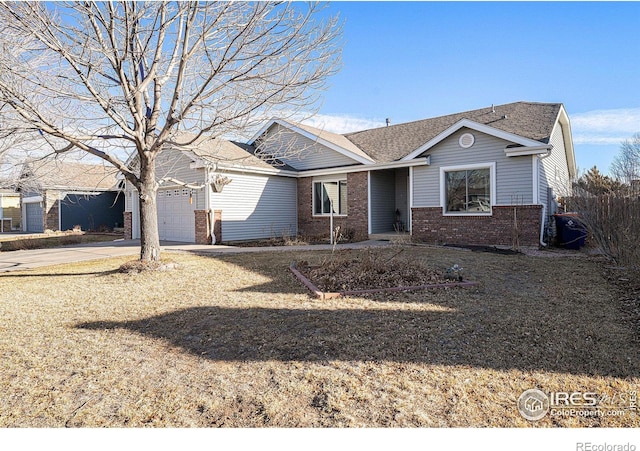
[(413, 60)]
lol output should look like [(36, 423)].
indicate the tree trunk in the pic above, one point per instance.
[(147, 190)]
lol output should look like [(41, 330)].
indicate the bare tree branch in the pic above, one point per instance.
[(107, 78)]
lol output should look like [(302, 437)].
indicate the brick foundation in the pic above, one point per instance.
[(356, 221), (203, 234), (429, 225), (128, 225)]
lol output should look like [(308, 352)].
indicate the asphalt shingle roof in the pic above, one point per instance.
[(334, 138), (233, 153), (527, 119), (57, 174)]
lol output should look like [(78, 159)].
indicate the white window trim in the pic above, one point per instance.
[(468, 167), (313, 198)]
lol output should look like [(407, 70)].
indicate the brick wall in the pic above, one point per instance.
[(203, 233), (357, 209), (51, 206), (429, 225), (128, 225)]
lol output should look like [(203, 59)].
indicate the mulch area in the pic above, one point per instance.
[(347, 270)]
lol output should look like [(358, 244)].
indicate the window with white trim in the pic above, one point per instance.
[(467, 190), (328, 194)]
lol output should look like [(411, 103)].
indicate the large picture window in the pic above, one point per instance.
[(328, 194), (467, 190)]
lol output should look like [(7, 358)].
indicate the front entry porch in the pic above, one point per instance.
[(389, 212)]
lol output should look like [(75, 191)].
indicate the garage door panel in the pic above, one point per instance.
[(176, 220), (34, 217)]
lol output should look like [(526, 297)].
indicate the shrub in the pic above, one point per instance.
[(613, 223)]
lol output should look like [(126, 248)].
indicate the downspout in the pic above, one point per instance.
[(544, 207)]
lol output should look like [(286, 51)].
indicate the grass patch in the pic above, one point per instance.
[(236, 341)]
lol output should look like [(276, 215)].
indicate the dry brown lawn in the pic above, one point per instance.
[(236, 341)]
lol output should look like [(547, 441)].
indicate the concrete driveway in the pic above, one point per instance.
[(36, 258)]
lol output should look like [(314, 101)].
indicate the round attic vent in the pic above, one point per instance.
[(466, 140)]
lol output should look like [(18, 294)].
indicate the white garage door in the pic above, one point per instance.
[(34, 217), (176, 220)]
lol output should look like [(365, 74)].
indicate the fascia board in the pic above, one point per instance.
[(262, 130), (563, 119), (473, 126), (426, 161)]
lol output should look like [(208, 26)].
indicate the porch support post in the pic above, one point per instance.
[(410, 215), (369, 202)]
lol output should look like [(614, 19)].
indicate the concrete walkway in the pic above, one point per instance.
[(37, 258)]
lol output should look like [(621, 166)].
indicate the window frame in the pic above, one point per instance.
[(339, 182), (467, 167)]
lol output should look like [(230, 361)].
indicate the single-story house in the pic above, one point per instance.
[(9, 210), (487, 176), (60, 195)]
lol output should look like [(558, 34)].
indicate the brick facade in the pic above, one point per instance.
[(356, 221), (128, 225), (203, 233), (429, 225), (51, 210)]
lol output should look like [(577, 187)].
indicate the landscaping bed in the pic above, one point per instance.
[(349, 272)]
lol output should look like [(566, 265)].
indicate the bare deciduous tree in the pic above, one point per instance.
[(104, 78), (626, 165)]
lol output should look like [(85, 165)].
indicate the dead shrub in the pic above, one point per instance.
[(613, 224), (345, 270)]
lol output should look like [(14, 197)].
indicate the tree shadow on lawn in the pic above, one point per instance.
[(486, 339)]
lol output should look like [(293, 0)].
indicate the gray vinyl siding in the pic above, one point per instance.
[(543, 185), (554, 171), (301, 152), (129, 191), (402, 195), (514, 175), (257, 206), (176, 165), (383, 201), (426, 186)]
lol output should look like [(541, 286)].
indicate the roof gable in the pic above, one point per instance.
[(333, 141), (466, 123), (533, 121)]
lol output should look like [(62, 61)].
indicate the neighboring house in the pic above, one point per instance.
[(487, 176), (58, 195), (9, 210)]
